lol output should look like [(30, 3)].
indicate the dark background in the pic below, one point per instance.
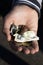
[(10, 57)]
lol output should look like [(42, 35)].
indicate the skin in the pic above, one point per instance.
[(23, 15)]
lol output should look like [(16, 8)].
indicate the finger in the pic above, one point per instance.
[(19, 48), (26, 50), (35, 47), (32, 51)]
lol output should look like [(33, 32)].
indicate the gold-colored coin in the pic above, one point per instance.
[(23, 44)]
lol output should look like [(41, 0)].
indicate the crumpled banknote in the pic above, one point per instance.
[(26, 37)]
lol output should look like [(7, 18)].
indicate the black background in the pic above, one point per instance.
[(10, 57)]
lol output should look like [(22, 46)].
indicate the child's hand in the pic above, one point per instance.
[(23, 15)]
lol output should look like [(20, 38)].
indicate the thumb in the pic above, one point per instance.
[(8, 36), (7, 32)]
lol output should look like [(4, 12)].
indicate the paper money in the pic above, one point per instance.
[(26, 37)]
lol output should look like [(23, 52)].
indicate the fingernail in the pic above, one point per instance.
[(32, 52), (20, 49), (37, 50), (26, 51)]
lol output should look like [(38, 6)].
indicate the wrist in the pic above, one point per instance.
[(35, 4)]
